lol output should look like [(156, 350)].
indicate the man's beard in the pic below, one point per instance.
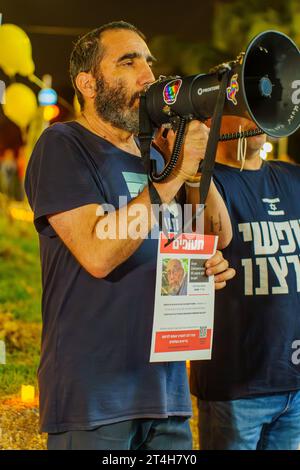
[(174, 288), (112, 105)]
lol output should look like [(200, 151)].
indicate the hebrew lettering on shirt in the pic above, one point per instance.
[(275, 247)]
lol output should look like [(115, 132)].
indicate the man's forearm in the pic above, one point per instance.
[(83, 229), (123, 231)]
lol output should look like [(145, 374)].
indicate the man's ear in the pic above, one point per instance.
[(86, 84)]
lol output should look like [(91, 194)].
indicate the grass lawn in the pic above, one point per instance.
[(20, 309)]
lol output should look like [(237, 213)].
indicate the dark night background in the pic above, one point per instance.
[(54, 26)]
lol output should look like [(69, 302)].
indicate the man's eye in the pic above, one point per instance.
[(129, 62)]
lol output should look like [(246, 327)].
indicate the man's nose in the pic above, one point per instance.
[(146, 76)]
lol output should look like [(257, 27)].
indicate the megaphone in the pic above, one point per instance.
[(262, 86)]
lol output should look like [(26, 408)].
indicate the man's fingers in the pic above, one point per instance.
[(215, 259), (218, 268), (220, 285), (225, 276)]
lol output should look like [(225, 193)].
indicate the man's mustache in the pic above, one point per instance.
[(135, 96)]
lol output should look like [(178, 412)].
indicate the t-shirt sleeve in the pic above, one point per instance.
[(60, 177)]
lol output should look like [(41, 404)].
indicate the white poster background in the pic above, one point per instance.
[(183, 323)]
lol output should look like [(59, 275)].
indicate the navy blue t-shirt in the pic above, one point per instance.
[(96, 336), (257, 315)]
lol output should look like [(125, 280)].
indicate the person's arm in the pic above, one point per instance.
[(80, 228), (216, 217)]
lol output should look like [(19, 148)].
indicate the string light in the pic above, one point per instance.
[(263, 154), (267, 147)]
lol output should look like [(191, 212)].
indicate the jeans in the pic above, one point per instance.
[(172, 433), (269, 422)]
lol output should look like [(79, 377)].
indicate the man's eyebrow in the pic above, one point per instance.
[(136, 55)]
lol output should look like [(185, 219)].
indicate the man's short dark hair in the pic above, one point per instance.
[(88, 51)]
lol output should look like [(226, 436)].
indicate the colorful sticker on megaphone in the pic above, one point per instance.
[(233, 88), (171, 91)]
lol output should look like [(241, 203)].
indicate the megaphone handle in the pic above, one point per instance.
[(208, 164)]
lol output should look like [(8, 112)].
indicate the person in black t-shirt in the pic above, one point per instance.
[(249, 393), (97, 387)]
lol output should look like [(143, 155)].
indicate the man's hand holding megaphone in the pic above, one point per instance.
[(193, 149)]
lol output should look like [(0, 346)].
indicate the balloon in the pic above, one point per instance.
[(20, 104), (15, 51)]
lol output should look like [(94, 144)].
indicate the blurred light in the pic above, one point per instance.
[(18, 213), (47, 96), (51, 112), (267, 147), (27, 393), (76, 106), (263, 154)]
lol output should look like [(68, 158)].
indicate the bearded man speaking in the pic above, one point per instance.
[(98, 389)]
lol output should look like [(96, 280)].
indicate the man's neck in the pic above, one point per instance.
[(252, 161), (118, 137)]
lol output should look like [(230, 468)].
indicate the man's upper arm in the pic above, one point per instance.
[(76, 229), (58, 179)]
